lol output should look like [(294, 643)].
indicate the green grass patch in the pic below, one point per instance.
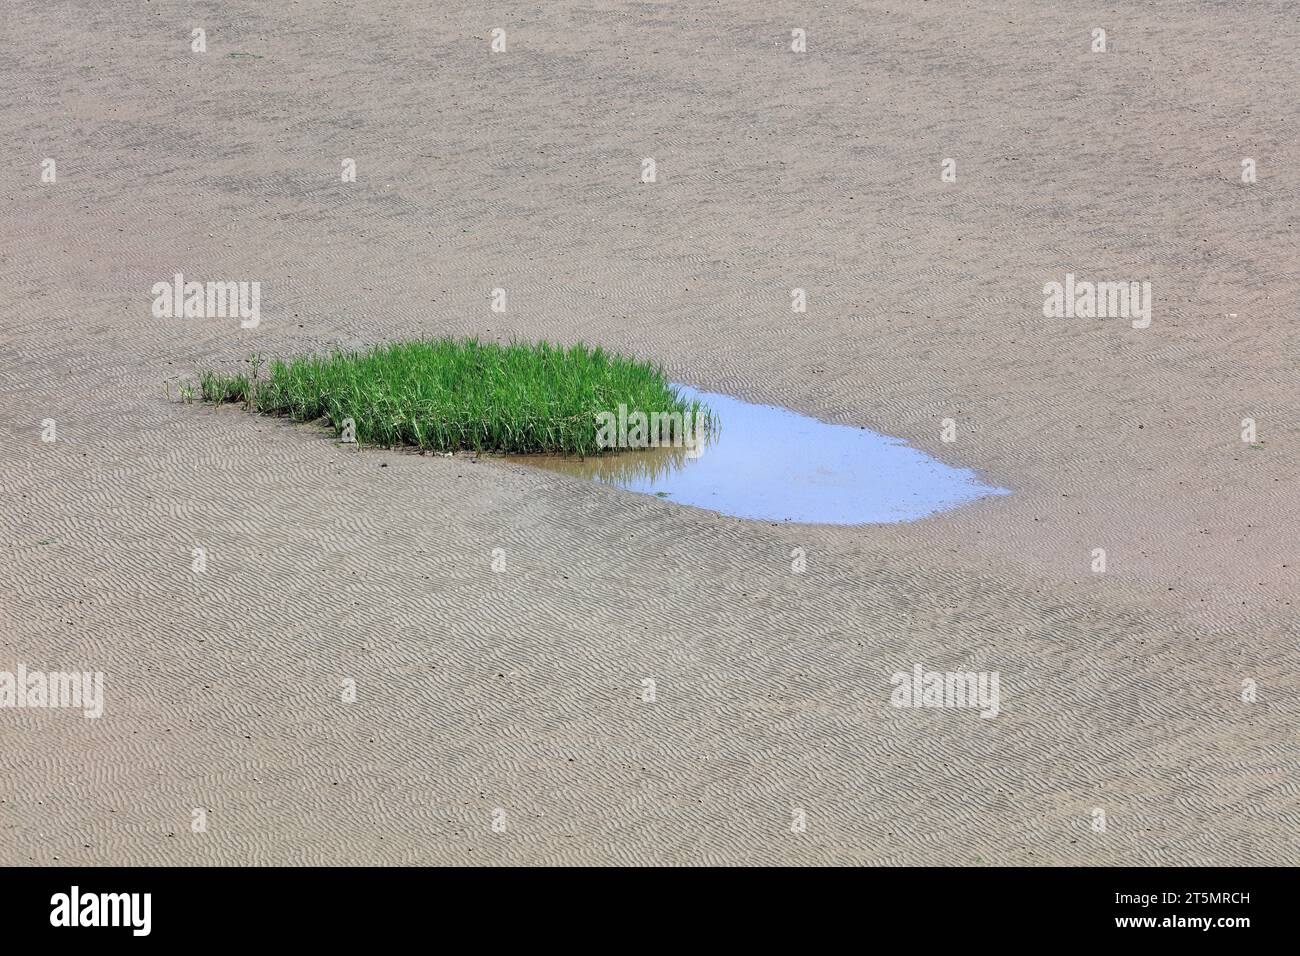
[(458, 394)]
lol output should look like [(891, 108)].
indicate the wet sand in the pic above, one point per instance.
[(521, 689)]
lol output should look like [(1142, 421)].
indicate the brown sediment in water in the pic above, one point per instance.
[(615, 467)]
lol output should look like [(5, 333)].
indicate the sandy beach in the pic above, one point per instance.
[(498, 623)]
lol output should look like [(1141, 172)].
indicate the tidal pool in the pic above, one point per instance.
[(772, 464)]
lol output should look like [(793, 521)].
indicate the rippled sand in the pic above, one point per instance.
[(518, 695)]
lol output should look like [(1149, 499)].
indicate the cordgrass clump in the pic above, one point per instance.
[(459, 394)]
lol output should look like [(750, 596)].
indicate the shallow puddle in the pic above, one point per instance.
[(772, 464)]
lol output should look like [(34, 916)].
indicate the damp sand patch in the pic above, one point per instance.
[(768, 463)]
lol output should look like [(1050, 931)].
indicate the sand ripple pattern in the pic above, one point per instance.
[(515, 697)]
